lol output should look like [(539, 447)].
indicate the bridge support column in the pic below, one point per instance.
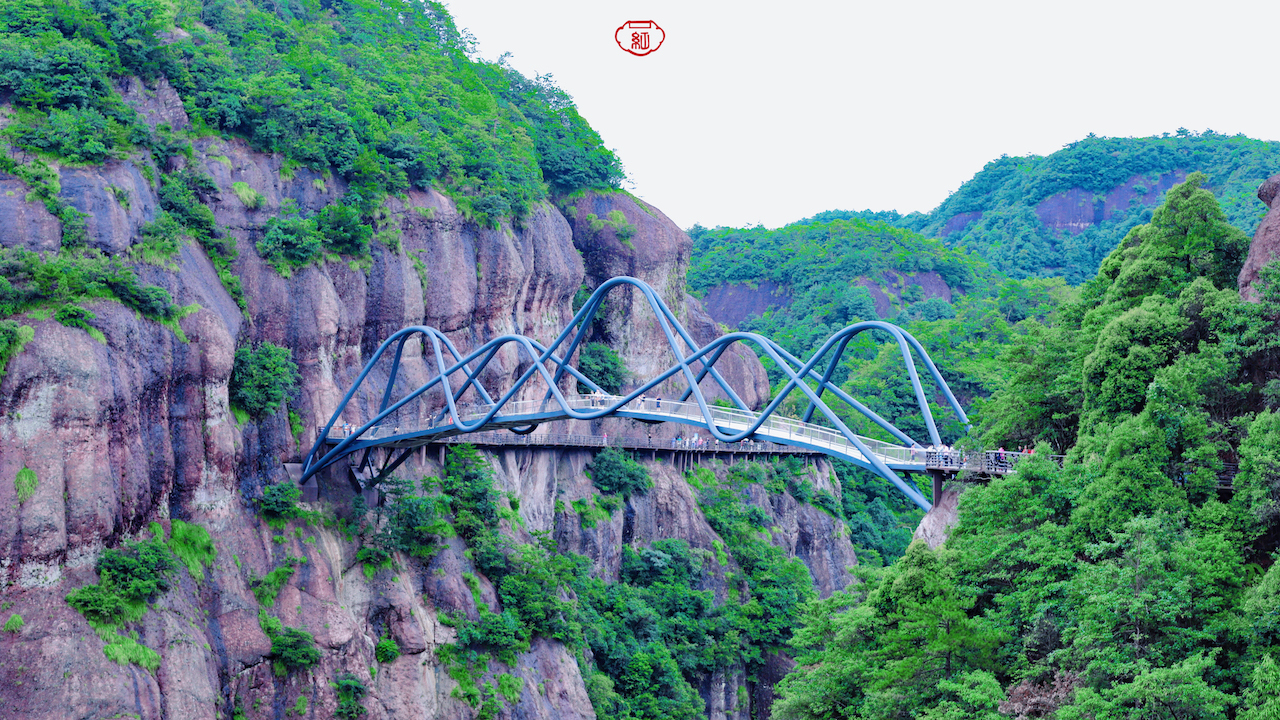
[(938, 478)]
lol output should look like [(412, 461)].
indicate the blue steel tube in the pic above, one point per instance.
[(705, 357)]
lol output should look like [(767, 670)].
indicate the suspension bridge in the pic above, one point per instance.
[(455, 403)]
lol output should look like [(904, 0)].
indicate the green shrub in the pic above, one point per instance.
[(344, 230), (374, 559), (128, 578), (827, 502), (75, 316), (416, 524), (266, 588), (13, 337), (262, 378), (25, 484), (349, 690), (589, 514), (14, 623), (667, 561), (600, 363), (290, 241), (182, 195), (138, 573), (615, 473), (503, 633), (295, 649), (193, 546), (386, 650), (280, 502), (100, 604), (468, 483), (161, 240)]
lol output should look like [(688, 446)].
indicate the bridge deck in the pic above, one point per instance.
[(778, 435)]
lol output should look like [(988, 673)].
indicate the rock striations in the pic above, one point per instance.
[(138, 430)]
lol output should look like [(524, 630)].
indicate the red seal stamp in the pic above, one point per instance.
[(639, 37)]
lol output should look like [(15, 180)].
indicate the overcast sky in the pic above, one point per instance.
[(754, 112)]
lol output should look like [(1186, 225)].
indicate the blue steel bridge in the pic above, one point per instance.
[(455, 402)]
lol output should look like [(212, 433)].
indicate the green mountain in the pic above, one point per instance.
[(1061, 214)]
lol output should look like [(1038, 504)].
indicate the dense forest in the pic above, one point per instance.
[(1125, 582)]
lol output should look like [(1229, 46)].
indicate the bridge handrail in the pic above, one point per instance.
[(773, 425)]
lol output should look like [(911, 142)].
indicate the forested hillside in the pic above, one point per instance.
[(1127, 582), (1061, 214), (382, 95)]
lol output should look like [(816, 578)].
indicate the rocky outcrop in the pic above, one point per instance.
[(1077, 209), (137, 429), (732, 303), (1266, 241), (936, 524), (655, 250)]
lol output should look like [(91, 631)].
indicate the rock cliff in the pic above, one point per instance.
[(137, 429)]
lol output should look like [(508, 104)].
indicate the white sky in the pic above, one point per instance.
[(755, 112)]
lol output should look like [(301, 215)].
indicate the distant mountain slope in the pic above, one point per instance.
[(1060, 214)]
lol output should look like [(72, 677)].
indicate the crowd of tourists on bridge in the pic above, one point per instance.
[(946, 457)]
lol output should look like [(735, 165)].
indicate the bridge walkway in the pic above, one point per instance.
[(776, 435)]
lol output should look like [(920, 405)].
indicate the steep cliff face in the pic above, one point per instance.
[(138, 430), (732, 303), (646, 244)]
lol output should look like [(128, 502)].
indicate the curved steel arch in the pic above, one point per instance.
[(694, 362)]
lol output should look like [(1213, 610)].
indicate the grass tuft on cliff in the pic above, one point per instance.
[(14, 624), (193, 546), (13, 337), (25, 483)]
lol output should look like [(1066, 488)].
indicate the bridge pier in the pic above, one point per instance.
[(938, 478)]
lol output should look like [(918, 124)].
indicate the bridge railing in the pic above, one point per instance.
[(994, 462), (990, 462), (729, 418), (627, 442)]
